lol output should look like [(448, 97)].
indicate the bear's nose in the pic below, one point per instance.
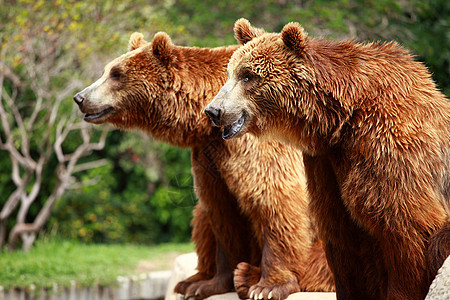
[(78, 98), (214, 114)]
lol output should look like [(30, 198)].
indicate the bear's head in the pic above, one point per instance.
[(152, 87), (260, 77), (129, 83), (160, 88), (286, 86)]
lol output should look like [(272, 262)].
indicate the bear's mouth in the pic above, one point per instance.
[(231, 130), (99, 117)]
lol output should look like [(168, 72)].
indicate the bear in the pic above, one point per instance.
[(375, 135), (252, 229)]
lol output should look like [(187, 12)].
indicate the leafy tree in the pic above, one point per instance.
[(152, 205), (49, 50), (35, 81), (430, 26)]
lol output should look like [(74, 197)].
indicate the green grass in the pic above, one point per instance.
[(62, 261)]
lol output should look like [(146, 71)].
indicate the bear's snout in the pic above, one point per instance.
[(79, 99), (214, 114)]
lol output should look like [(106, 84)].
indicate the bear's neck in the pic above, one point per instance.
[(197, 74), (349, 79)]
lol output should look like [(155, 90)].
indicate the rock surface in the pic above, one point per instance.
[(185, 265), (440, 287)]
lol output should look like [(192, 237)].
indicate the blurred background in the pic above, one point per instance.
[(62, 177)]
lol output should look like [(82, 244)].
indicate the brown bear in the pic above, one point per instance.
[(375, 132), (252, 207)]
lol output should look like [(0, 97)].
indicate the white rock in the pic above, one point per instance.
[(440, 287), (183, 267)]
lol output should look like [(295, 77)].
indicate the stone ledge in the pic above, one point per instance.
[(440, 287), (296, 296), (184, 266)]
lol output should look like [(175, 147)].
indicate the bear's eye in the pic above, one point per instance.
[(116, 74), (247, 76)]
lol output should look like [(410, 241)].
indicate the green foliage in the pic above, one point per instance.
[(431, 39), (152, 205), (62, 261), (85, 35), (210, 22)]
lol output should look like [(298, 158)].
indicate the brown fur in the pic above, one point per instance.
[(375, 133), (438, 249), (260, 217)]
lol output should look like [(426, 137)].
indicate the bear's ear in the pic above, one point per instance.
[(136, 41), (294, 37), (245, 32), (162, 47)]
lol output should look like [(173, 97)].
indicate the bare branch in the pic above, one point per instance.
[(86, 146), (37, 183), (11, 203), (15, 172), (64, 175), (3, 114), (23, 132), (60, 137), (27, 200), (20, 229), (36, 110), (3, 232), (14, 198), (42, 58), (9, 146), (89, 182), (6, 72), (90, 165)]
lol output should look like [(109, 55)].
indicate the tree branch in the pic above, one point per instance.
[(42, 58), (25, 146), (90, 165)]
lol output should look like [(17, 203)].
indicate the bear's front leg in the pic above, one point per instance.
[(406, 264), (245, 276), (205, 246), (221, 283), (273, 280), (286, 240), (230, 229), (249, 284), (396, 204), (352, 254)]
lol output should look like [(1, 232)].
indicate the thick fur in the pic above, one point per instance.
[(252, 205), (375, 133)]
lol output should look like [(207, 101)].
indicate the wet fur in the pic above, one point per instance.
[(259, 218), (375, 133)]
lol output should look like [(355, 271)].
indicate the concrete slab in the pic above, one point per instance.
[(296, 296)]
